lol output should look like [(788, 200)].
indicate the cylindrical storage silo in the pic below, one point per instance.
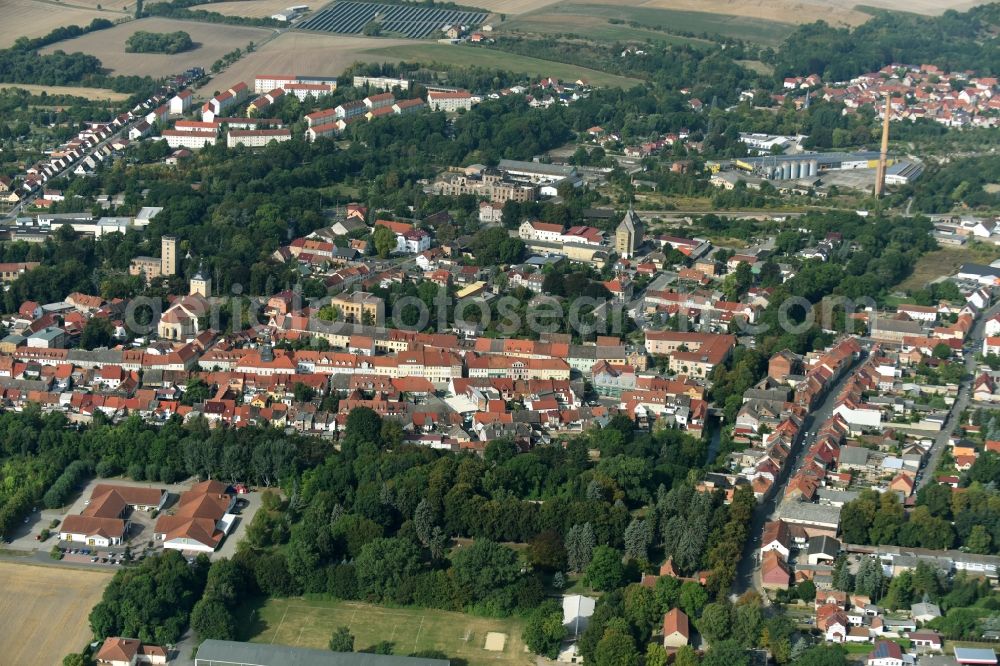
[(786, 170), (813, 167), (796, 170)]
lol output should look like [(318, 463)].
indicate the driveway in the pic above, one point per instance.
[(250, 503)]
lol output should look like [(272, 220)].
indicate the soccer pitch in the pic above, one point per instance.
[(303, 622)]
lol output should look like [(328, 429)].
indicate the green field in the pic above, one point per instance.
[(591, 27), (698, 23), (308, 622), (458, 56), (945, 261)]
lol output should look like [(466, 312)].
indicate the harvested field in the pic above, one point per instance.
[(35, 18), (589, 27), (781, 11), (212, 41), (98, 94), (45, 611), (658, 19), (248, 8), (474, 640), (492, 58), (306, 53)]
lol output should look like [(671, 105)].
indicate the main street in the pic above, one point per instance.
[(764, 512)]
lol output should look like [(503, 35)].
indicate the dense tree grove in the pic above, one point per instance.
[(373, 523), (151, 601), (143, 41), (42, 455), (954, 41), (941, 519)]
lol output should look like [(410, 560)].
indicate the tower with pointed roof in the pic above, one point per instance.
[(201, 284), (628, 235)]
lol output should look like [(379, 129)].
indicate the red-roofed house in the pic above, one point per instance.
[(676, 629)]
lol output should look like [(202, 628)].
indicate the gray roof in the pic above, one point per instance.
[(538, 167), (853, 455), (233, 653), (979, 269), (810, 514), (825, 545), (925, 608), (975, 654)]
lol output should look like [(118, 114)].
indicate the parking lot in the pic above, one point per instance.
[(140, 534)]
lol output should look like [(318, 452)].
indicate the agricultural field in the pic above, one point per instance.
[(247, 8), (306, 53), (45, 611), (845, 12), (590, 27), (35, 18), (310, 622), (93, 94), (212, 41), (592, 20), (414, 22), (483, 57)]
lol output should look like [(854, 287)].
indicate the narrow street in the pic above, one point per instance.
[(746, 569), (973, 346)]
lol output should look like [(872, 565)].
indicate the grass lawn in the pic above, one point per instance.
[(309, 622), (458, 56), (943, 262)]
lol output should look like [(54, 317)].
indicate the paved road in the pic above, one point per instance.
[(26, 201), (746, 569), (973, 347)]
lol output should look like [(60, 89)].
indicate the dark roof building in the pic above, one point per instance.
[(233, 653)]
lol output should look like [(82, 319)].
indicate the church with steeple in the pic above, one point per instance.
[(201, 284), (628, 235)]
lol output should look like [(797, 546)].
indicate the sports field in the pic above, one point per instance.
[(44, 611), (310, 623), (491, 58)]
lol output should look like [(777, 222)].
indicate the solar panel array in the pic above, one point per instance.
[(414, 22)]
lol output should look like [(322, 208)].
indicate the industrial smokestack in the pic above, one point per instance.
[(884, 153)]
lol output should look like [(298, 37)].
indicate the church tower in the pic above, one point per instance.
[(201, 284)]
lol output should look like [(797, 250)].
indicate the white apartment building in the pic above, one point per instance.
[(257, 138), (450, 101), (193, 140)]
